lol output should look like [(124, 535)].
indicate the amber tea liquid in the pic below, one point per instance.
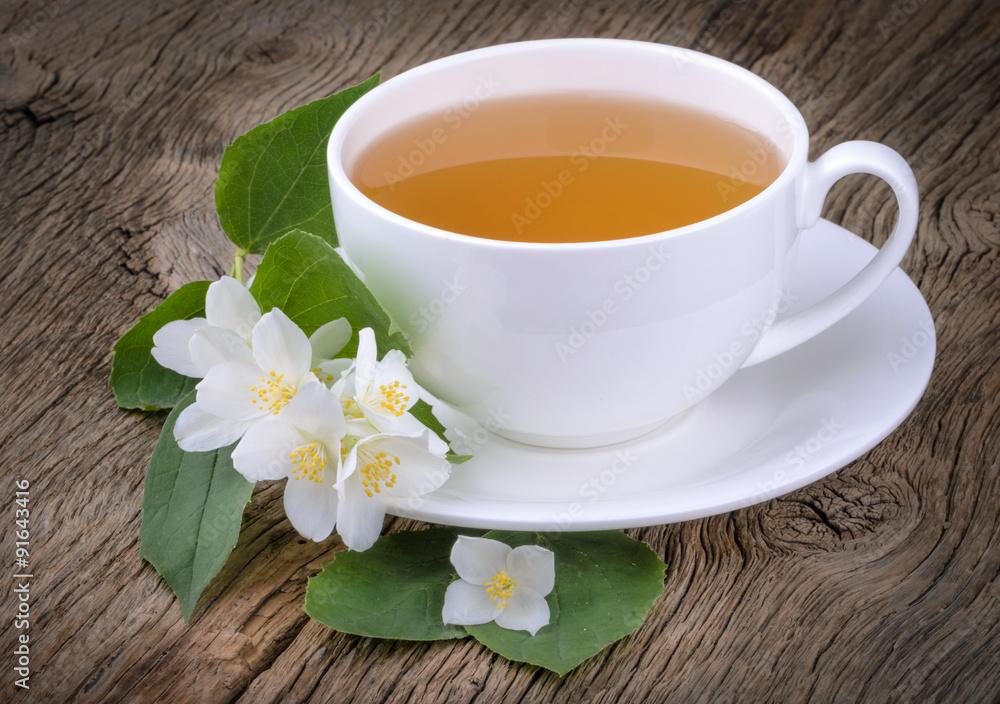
[(566, 168)]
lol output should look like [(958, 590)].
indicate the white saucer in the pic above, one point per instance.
[(769, 430)]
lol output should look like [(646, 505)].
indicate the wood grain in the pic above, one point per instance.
[(880, 583)]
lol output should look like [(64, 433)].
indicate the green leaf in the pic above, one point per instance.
[(136, 378), (394, 589), (605, 585), (274, 179), (303, 276), (422, 411), (192, 507)]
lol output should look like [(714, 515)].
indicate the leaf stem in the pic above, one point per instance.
[(237, 269)]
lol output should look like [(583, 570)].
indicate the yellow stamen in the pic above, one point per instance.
[(323, 377), (274, 395), (393, 399), (308, 462), (377, 472), (500, 588)]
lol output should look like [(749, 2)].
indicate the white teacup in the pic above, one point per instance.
[(521, 336)]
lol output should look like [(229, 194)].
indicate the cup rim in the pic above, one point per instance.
[(797, 157)]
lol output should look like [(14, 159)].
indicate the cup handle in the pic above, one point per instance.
[(843, 159)]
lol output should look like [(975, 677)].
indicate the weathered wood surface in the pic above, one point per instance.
[(880, 583)]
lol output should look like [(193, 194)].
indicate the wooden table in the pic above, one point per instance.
[(879, 583)]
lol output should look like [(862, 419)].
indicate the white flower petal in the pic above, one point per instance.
[(229, 390), (198, 431), (358, 431), (366, 360), (391, 369), (467, 604), (389, 374), (330, 339), (265, 452), (279, 345), (316, 412), (478, 560), (344, 387), (526, 610), (436, 445), (170, 345), (309, 378), (532, 566), (229, 305), (417, 471), (332, 371), (213, 346), (311, 507), (360, 516), (405, 424), (359, 428)]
